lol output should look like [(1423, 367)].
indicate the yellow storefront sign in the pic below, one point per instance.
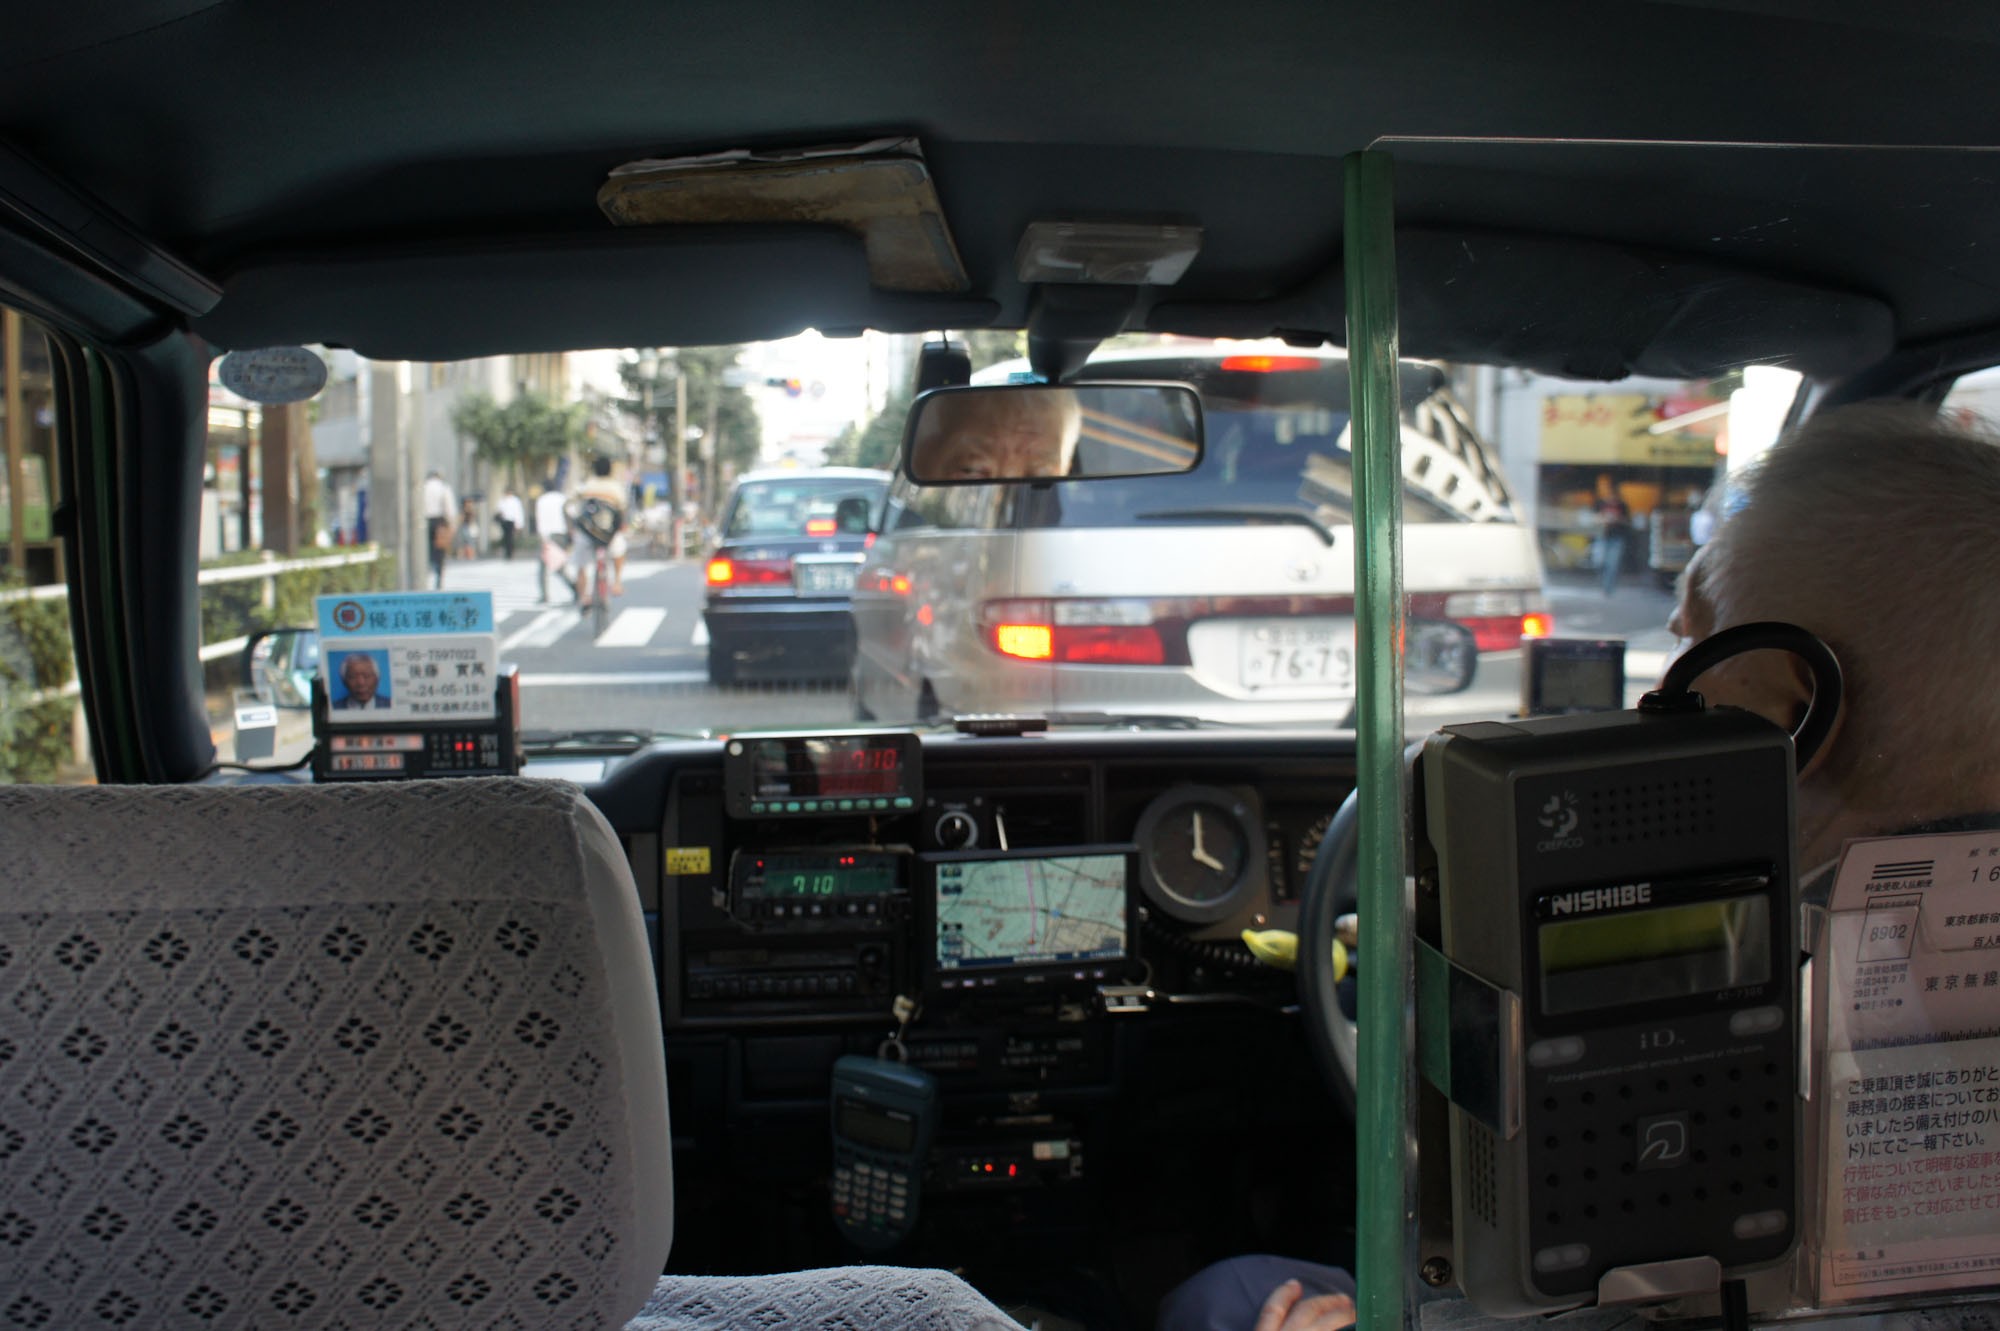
[(1615, 429)]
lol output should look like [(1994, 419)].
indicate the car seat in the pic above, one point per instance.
[(352, 1055)]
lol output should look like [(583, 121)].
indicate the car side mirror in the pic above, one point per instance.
[(1040, 432), (279, 664), (1439, 656)]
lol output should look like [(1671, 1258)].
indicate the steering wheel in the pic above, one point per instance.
[(1331, 890)]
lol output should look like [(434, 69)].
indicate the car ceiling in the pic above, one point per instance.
[(418, 179)]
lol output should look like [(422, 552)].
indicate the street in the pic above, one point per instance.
[(648, 672), (1638, 614)]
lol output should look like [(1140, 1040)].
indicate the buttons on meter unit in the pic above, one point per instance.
[(1556, 1052), (1756, 1021), (1563, 1257)]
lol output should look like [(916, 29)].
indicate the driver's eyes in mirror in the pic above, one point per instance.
[(1033, 432)]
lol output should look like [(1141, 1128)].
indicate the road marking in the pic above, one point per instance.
[(632, 628), (700, 638), (544, 629), (614, 680)]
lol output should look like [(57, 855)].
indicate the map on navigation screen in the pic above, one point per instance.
[(1033, 911)]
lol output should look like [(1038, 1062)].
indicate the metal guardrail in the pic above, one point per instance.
[(272, 567), (267, 569)]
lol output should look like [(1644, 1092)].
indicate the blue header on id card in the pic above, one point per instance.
[(397, 614)]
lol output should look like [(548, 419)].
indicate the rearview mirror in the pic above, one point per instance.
[(1038, 432), (279, 665), (1439, 656)]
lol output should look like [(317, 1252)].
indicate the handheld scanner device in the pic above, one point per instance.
[(884, 1116), (1607, 974)]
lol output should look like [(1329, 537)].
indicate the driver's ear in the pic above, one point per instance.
[(1777, 686)]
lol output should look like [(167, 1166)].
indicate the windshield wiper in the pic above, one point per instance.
[(1252, 513), (1136, 720), (586, 741)]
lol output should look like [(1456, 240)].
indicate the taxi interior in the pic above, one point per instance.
[(1666, 188)]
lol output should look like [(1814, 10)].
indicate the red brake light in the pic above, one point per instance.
[(1085, 632), (1539, 625), (821, 527), (724, 571), (1268, 364), (1110, 644)]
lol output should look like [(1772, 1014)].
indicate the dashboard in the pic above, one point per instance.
[(795, 909), (1059, 914)]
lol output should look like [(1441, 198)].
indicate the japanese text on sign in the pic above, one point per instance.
[(1910, 1122)]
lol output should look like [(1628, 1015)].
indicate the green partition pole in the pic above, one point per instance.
[(1382, 1095)]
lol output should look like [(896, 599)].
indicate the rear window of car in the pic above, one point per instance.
[(786, 507), (1276, 440)]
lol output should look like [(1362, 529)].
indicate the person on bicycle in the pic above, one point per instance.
[(597, 516)]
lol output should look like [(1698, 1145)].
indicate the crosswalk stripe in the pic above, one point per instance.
[(574, 681), (633, 628), (544, 629)]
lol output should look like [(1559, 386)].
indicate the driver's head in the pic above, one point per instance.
[(600, 466), (1874, 528), (987, 434), (358, 673)]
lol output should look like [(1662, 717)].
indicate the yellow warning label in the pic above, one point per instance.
[(683, 860)]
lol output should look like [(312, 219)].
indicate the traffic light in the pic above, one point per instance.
[(792, 387)]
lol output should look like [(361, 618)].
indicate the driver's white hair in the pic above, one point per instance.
[(1877, 527)]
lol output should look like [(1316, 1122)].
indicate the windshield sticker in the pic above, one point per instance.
[(273, 376), (408, 656), (1909, 1128), (687, 861)]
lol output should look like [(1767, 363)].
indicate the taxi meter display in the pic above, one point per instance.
[(1607, 974)]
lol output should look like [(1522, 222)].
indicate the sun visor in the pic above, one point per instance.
[(880, 190), (1577, 308), (664, 286)]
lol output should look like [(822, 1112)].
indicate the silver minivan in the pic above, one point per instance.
[(1229, 599)]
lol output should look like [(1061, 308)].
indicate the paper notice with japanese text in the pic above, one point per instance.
[(408, 656), (1910, 1113)]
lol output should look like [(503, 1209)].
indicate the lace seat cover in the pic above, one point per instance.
[(346, 1056)]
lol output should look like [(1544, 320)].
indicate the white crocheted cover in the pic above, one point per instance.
[(330, 1057), (846, 1298)]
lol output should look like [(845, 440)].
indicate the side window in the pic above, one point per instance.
[(43, 735), (1974, 400)]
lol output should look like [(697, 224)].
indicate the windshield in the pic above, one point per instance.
[(1277, 436), (767, 567), (805, 507)]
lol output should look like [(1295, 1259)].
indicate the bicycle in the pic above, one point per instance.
[(598, 572), (600, 591)]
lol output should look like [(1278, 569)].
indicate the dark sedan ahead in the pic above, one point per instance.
[(780, 580)]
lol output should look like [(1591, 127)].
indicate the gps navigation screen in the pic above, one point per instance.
[(1039, 910)]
